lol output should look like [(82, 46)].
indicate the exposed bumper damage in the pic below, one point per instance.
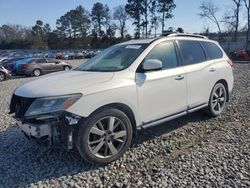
[(46, 129), (50, 131)]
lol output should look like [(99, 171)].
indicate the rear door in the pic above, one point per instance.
[(200, 70)]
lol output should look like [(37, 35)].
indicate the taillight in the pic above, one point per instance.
[(230, 62), (25, 66)]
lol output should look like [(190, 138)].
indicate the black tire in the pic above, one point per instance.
[(84, 135), (66, 68), (36, 72), (216, 105), (2, 77)]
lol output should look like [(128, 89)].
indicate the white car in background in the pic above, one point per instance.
[(99, 106), (4, 74)]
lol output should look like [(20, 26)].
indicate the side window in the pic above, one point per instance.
[(164, 52), (212, 50), (41, 61), (52, 61), (191, 52)]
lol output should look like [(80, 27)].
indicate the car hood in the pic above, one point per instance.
[(62, 84)]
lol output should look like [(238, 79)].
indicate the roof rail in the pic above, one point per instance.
[(186, 35)]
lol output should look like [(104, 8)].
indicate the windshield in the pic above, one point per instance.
[(114, 58)]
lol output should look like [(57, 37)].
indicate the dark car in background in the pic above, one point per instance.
[(90, 54), (39, 66), (7, 62)]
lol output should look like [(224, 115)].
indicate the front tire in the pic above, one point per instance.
[(104, 136), (217, 101), (2, 76)]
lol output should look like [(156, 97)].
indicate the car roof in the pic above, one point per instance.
[(169, 36), (140, 41)]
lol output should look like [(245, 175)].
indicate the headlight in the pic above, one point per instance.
[(51, 104)]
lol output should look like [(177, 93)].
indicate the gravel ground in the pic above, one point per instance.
[(193, 151)]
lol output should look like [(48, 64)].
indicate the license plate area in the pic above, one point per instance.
[(35, 130)]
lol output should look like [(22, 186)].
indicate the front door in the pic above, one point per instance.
[(55, 65), (162, 93)]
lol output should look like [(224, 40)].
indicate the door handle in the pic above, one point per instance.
[(179, 77), (212, 69)]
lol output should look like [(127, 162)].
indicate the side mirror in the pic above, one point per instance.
[(57, 62), (152, 64)]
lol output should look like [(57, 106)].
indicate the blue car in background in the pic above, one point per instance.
[(17, 65)]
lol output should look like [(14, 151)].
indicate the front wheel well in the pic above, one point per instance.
[(224, 82), (125, 109)]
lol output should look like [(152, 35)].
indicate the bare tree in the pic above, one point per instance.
[(208, 10), (233, 20), (13, 32), (247, 5), (236, 14), (121, 16)]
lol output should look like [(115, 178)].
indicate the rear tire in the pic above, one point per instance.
[(66, 68), (217, 101), (36, 72), (104, 136)]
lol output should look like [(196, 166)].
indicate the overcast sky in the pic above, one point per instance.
[(26, 12)]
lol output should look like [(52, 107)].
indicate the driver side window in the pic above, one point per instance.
[(165, 52), (41, 61)]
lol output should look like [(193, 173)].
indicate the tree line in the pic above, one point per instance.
[(230, 19), (98, 28)]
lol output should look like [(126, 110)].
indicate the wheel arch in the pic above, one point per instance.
[(224, 82), (125, 109)]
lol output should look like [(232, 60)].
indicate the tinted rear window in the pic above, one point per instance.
[(212, 50), (191, 52)]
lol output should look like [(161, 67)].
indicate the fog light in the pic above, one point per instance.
[(72, 120)]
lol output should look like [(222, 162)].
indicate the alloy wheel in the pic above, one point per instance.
[(37, 72), (107, 137), (66, 68), (218, 99)]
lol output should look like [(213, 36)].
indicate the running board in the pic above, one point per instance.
[(197, 108), (169, 118), (157, 122)]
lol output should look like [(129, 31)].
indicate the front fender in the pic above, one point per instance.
[(124, 95)]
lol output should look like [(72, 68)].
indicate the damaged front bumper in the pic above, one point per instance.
[(50, 129), (35, 130)]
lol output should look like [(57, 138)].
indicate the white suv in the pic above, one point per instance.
[(99, 106)]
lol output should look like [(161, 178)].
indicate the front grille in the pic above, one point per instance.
[(19, 105)]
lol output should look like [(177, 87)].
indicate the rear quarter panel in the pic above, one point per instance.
[(225, 72)]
